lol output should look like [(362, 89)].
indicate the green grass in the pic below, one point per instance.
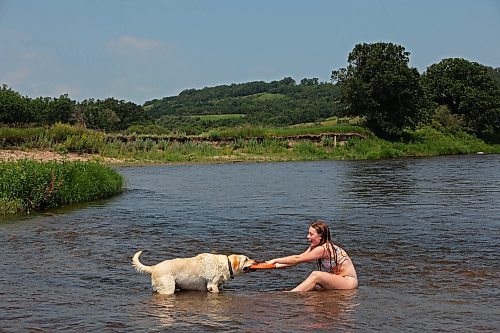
[(425, 142), (266, 97), (60, 137), (27, 185), (249, 143), (273, 132)]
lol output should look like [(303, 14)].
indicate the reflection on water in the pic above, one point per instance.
[(263, 312), (423, 234)]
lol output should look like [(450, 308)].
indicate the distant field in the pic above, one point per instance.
[(219, 116), (333, 121), (273, 132), (263, 97)]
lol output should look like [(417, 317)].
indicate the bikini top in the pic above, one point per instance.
[(341, 257)]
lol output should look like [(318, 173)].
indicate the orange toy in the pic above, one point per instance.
[(262, 265)]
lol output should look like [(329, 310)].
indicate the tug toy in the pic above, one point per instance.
[(261, 265)]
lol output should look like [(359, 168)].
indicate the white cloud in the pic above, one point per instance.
[(131, 42)]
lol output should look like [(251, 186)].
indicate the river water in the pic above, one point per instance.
[(422, 233)]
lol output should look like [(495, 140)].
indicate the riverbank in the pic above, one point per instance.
[(124, 154), (10, 155), (254, 144), (27, 185)]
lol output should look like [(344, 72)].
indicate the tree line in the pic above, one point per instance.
[(378, 85), (109, 115)]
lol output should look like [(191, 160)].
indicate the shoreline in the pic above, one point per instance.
[(12, 155)]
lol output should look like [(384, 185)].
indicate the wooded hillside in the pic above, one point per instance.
[(281, 102)]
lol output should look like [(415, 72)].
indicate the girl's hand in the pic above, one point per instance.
[(272, 261)]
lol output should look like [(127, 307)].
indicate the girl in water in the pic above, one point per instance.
[(339, 270)]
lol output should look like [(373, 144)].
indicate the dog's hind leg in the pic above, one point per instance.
[(213, 286), (165, 286)]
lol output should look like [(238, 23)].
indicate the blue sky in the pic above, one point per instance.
[(141, 50)]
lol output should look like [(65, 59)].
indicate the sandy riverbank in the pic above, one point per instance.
[(45, 156)]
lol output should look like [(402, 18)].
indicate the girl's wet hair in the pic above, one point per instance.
[(326, 237)]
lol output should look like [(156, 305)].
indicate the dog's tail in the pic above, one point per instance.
[(139, 266)]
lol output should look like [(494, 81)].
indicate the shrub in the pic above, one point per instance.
[(89, 142)]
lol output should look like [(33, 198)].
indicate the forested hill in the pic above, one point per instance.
[(281, 102), (495, 74)]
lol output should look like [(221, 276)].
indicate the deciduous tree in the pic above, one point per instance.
[(379, 85), (468, 90), (13, 107)]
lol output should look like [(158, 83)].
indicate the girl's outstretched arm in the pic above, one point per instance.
[(309, 255)]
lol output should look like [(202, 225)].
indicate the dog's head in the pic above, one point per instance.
[(240, 263)]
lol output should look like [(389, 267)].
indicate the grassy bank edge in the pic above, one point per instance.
[(252, 144), (27, 185)]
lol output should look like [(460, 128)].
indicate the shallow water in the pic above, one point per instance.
[(423, 234)]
